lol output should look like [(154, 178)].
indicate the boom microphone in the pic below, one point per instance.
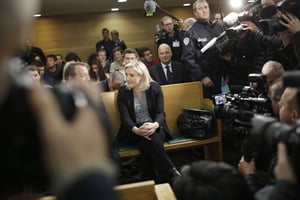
[(212, 42), (150, 7)]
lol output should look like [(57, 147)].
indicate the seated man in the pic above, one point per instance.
[(77, 72), (114, 82), (167, 71), (146, 57)]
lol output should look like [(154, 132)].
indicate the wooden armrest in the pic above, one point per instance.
[(137, 191)]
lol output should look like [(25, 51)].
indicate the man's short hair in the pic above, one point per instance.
[(104, 30), (52, 56), (165, 18), (272, 67), (208, 180), (141, 51), (117, 77), (70, 69), (195, 5), (115, 32), (130, 50)]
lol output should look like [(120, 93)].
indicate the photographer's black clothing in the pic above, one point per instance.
[(267, 49), (284, 190), (174, 42), (203, 64)]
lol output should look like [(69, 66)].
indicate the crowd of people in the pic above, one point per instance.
[(77, 152)]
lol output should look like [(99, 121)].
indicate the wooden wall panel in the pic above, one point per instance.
[(79, 33)]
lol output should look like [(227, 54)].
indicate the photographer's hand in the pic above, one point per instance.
[(247, 168), (283, 169), (207, 82), (248, 25), (291, 22), (69, 148)]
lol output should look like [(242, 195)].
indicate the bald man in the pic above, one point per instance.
[(167, 71)]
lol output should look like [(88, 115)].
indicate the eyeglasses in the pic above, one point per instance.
[(168, 24)]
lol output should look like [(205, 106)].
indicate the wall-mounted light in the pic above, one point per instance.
[(37, 15), (235, 3), (115, 9), (122, 1), (186, 4)]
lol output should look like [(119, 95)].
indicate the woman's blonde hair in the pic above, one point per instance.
[(142, 70)]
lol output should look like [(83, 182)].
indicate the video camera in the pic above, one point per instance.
[(234, 28), (270, 22), (268, 131), (242, 106)]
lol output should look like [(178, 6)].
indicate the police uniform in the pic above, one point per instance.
[(203, 64)]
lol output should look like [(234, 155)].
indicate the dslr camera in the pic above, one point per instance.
[(270, 22)]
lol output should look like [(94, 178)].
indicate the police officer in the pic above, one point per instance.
[(205, 66)]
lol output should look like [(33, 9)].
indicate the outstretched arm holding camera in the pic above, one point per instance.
[(292, 34)]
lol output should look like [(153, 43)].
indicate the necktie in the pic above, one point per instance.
[(169, 75)]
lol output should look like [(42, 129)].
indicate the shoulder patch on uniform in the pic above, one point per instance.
[(186, 41)]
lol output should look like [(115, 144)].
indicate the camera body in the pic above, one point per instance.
[(242, 106), (270, 23)]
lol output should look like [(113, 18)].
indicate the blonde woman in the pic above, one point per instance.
[(141, 107)]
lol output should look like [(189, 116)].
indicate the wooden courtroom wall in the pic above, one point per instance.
[(79, 33)]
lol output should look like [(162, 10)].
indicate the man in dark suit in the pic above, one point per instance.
[(167, 71)]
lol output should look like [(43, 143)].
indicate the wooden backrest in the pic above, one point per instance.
[(176, 97), (179, 96), (137, 191), (110, 103)]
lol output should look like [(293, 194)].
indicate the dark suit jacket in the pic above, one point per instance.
[(155, 102), (178, 69)]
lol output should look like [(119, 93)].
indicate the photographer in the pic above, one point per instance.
[(76, 155), (289, 113), (171, 36), (291, 36), (286, 187)]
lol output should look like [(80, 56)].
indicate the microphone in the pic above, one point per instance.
[(150, 7), (212, 42)]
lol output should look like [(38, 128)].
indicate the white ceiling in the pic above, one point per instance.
[(64, 7)]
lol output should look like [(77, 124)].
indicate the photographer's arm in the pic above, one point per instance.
[(293, 25), (249, 171), (286, 187), (272, 41), (75, 152)]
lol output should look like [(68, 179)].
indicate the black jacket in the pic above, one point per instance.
[(178, 69), (155, 102), (202, 64)]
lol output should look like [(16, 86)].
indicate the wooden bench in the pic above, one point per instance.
[(145, 190), (176, 97)]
